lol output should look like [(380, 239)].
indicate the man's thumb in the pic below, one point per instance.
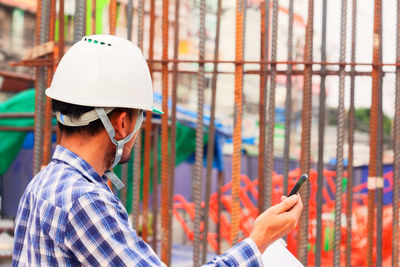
[(286, 204)]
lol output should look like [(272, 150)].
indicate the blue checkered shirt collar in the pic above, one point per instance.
[(82, 166)]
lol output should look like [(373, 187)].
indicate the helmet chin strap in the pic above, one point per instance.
[(118, 143)]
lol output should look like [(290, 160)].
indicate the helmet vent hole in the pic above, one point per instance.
[(95, 41), (89, 40), (102, 43), (109, 44)]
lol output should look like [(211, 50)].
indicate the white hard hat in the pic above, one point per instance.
[(103, 71)]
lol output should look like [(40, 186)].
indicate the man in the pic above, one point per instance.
[(68, 215)]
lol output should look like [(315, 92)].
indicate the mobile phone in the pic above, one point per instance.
[(297, 186)]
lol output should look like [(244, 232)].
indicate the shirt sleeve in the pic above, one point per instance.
[(244, 253), (99, 234)]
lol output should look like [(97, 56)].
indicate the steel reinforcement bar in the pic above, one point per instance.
[(306, 135)]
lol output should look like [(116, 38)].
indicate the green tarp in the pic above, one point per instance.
[(11, 142)]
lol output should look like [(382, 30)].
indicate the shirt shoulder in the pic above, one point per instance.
[(61, 185)]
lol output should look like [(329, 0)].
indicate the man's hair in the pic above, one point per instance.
[(75, 111)]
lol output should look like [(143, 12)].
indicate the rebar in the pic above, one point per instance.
[(396, 153), (155, 187), (155, 132), (61, 30), (175, 82), (93, 17), (40, 87), (279, 62), (321, 139), (198, 166), (379, 164), (373, 132), (350, 173), (165, 204), (279, 72), (237, 130), (211, 135), (137, 150), (140, 24), (129, 17), (269, 167), (80, 20), (264, 6), (340, 139), (146, 176), (38, 19), (113, 17), (47, 133), (306, 134), (267, 67), (220, 184), (288, 103)]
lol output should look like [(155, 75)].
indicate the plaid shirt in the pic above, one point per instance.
[(68, 216)]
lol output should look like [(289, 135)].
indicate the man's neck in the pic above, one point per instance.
[(92, 149)]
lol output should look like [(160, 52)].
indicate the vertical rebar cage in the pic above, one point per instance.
[(307, 74)]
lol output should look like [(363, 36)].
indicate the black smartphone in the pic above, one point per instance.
[(297, 186)]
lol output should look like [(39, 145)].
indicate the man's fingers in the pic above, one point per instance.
[(283, 198), (286, 204), (298, 208)]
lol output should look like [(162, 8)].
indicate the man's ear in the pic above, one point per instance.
[(120, 122)]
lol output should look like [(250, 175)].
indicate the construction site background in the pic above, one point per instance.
[(17, 37)]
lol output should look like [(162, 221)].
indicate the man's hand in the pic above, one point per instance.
[(277, 221)]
